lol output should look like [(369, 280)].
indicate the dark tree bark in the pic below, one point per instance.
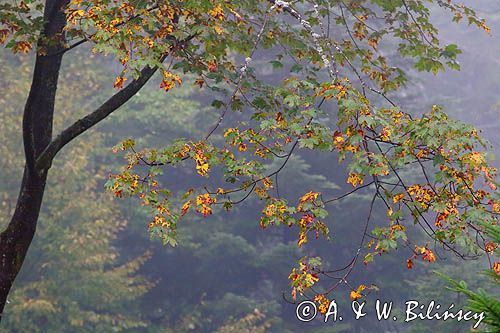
[(39, 147), (37, 133)]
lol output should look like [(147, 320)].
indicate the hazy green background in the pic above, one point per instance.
[(92, 267)]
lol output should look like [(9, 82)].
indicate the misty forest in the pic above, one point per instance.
[(249, 166)]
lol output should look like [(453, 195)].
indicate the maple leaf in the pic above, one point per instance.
[(199, 82), (185, 207), (385, 134), (217, 12), (338, 140), (4, 33), (354, 179), (373, 42), (23, 47), (496, 267), (309, 196), (354, 295), (202, 168), (242, 147), (398, 197), (205, 210), (268, 183), (302, 239), (294, 293), (212, 66), (119, 82), (323, 303), (490, 247), (427, 254)]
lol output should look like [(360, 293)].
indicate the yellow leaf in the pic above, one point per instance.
[(302, 239), (309, 196), (354, 179), (398, 197), (496, 267), (185, 207), (355, 295), (202, 168), (119, 82), (242, 147)]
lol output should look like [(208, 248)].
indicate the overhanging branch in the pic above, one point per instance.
[(44, 161)]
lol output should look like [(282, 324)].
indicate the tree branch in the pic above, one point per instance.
[(44, 161), (86, 39)]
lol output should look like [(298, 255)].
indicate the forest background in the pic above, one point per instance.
[(92, 266)]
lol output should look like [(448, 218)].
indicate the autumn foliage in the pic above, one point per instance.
[(333, 96)]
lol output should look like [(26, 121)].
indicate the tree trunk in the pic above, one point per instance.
[(37, 133), (16, 239)]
